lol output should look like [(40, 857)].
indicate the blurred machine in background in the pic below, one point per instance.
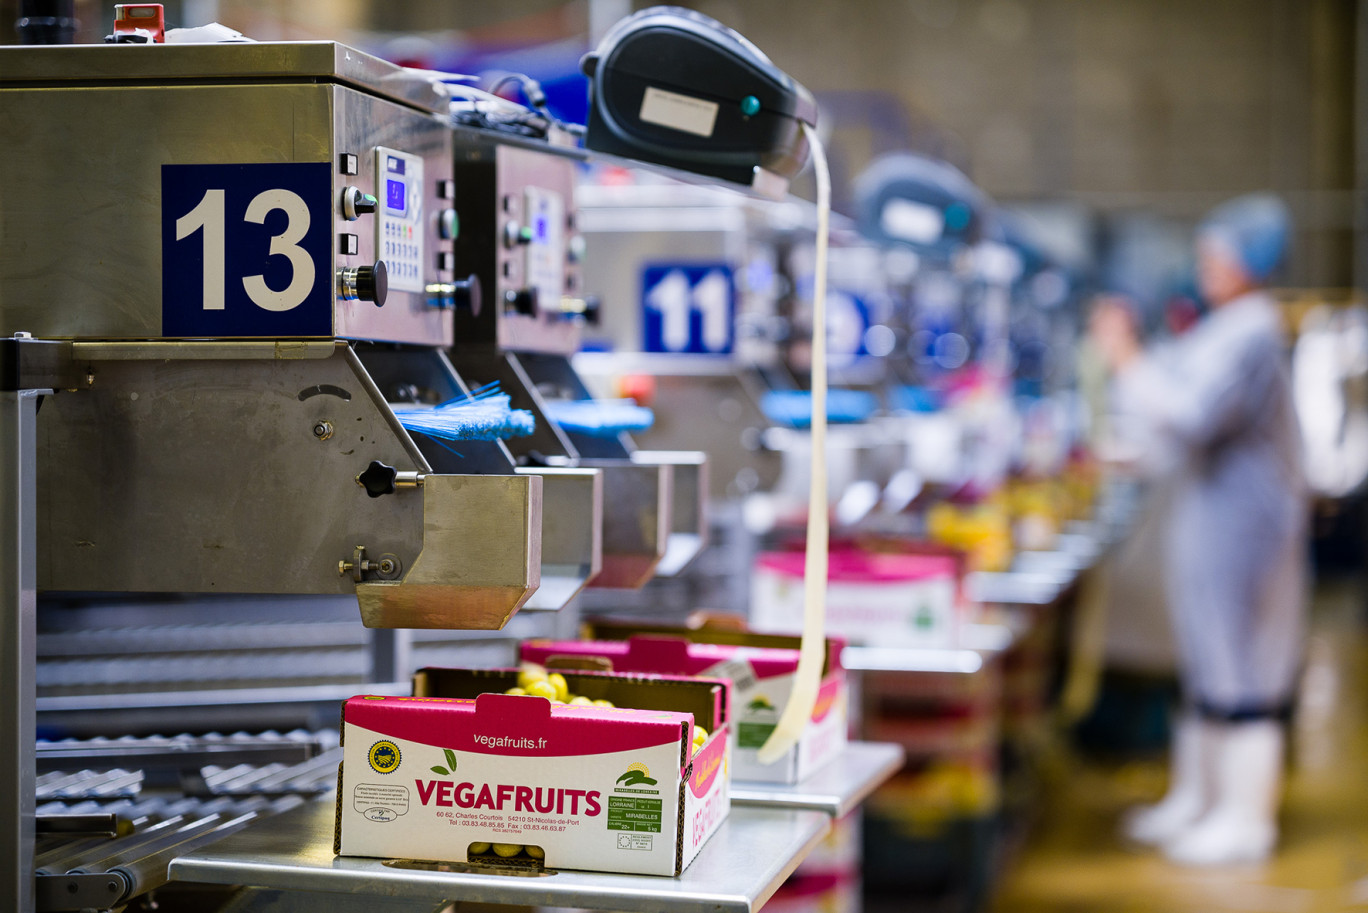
[(524, 242)]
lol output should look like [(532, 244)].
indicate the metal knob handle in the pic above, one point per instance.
[(357, 203), (468, 295), (524, 301), (516, 235), (586, 308), (372, 282), (364, 283), (379, 479), (461, 295)]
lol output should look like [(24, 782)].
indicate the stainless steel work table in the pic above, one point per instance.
[(834, 789), (736, 871), (1039, 578), (975, 643), (1030, 588)]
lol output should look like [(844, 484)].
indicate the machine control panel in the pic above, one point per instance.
[(544, 266), (399, 222), (516, 232)]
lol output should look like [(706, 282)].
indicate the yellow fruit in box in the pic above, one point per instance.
[(476, 849), (529, 673), (699, 737), (983, 533), (542, 689), (507, 849), (558, 682)]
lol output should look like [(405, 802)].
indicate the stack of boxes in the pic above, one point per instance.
[(632, 776)]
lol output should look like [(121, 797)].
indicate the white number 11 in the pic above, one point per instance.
[(209, 216)]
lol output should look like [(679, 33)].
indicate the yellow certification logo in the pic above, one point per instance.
[(637, 774), (384, 757)]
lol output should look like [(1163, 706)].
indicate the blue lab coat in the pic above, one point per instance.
[(1218, 402)]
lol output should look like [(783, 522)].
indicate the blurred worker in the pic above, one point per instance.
[(1218, 400)]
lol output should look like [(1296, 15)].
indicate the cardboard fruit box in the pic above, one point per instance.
[(892, 600), (461, 770), (761, 667)]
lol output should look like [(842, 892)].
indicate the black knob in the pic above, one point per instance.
[(467, 295), (357, 203), (591, 309), (372, 283), (524, 300), (378, 479)]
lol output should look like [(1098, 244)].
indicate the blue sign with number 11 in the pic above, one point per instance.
[(688, 308)]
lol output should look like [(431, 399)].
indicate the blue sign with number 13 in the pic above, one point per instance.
[(246, 250)]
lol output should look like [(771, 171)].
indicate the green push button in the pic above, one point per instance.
[(449, 225), (750, 106)]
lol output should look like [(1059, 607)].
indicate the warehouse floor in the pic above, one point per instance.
[(1073, 860)]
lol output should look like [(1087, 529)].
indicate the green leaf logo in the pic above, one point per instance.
[(451, 764), (635, 778)]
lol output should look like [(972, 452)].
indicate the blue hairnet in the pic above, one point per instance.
[(1256, 228)]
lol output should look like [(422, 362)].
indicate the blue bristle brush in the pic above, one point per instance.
[(484, 414), (599, 417)]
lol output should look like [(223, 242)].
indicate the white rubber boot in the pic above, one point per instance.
[(1242, 824), (1154, 825)]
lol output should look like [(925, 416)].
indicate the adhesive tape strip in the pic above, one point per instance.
[(813, 651)]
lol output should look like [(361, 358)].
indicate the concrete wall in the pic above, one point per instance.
[(1160, 105), (1163, 105)]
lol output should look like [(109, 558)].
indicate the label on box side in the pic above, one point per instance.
[(756, 705), (634, 813), (739, 671), (611, 811), (752, 695), (753, 735), (823, 738), (898, 613)]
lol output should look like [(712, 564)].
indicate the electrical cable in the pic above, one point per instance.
[(812, 651), (536, 98), (472, 107)]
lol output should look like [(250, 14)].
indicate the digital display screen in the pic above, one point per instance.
[(396, 195), (394, 164)]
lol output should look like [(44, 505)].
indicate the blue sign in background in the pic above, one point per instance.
[(301, 230), (688, 308)]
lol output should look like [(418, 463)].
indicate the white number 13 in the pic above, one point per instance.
[(209, 216)]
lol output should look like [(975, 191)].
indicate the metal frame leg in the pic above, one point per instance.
[(18, 636), (391, 652)]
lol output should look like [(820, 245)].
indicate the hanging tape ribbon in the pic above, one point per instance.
[(812, 653)]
